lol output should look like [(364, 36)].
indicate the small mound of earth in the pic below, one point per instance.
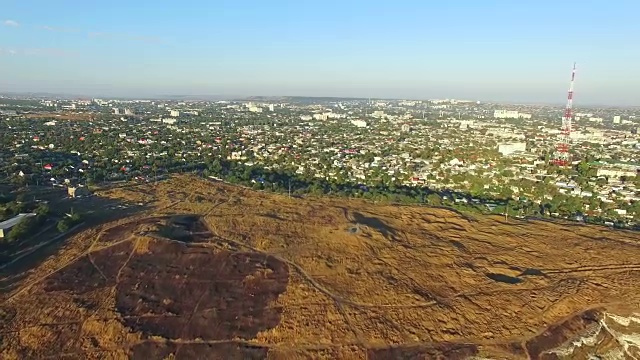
[(185, 228)]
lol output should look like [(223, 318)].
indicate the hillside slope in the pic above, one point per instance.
[(255, 275)]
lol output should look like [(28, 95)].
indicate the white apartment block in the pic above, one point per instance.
[(509, 149), (359, 123), (616, 173), (506, 114)]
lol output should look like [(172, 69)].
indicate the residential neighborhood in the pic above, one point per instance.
[(495, 157)]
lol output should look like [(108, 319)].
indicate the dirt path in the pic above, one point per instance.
[(90, 249)]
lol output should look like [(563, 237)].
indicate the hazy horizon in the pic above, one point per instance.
[(240, 97), (496, 51)]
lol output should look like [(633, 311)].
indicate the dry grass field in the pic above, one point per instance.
[(252, 275)]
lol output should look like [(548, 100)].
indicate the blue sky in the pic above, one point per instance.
[(485, 50)]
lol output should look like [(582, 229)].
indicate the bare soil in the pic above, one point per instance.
[(179, 292), (212, 271)]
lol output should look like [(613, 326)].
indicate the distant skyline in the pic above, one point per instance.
[(500, 51)]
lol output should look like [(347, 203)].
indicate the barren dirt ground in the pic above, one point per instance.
[(257, 275)]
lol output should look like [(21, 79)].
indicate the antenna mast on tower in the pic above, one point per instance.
[(562, 157)]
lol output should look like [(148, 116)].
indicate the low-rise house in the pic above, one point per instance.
[(7, 225)]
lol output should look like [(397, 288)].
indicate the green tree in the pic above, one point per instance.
[(434, 199), (62, 225), (21, 230), (476, 187), (583, 169), (42, 210), (75, 217)]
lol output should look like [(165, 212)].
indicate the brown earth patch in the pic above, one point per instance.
[(126, 230), (558, 334), (186, 228), (48, 341), (171, 350), (437, 351), (90, 272), (409, 282), (179, 292)]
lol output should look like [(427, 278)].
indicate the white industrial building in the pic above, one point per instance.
[(359, 123), (465, 124), (506, 114), (378, 114), (588, 136), (332, 115), (616, 173), (509, 149), (175, 113)]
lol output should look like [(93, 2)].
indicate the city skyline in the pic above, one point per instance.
[(496, 51)]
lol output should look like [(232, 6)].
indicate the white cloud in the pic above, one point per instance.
[(95, 34), (53, 52), (7, 52), (12, 23), (124, 36), (45, 52), (57, 29)]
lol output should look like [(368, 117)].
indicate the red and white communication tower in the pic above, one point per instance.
[(562, 157)]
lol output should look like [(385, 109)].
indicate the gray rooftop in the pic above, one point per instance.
[(7, 224)]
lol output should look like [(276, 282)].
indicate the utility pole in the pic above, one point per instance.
[(289, 188), (506, 212)]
